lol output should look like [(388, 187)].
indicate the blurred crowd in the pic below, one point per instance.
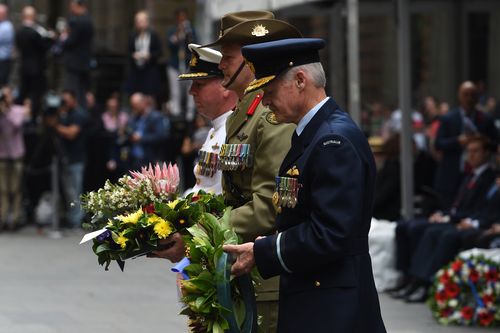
[(457, 180), (88, 141)]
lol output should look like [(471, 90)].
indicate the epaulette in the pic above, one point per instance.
[(255, 103)]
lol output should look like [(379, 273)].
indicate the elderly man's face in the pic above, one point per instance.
[(281, 96)]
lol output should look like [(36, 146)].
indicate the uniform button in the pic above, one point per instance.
[(317, 283)]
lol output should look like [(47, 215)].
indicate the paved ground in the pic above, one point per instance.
[(56, 286)]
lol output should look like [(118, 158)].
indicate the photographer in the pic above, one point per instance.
[(12, 118), (70, 130)]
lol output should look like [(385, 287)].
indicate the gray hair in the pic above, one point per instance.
[(314, 70)]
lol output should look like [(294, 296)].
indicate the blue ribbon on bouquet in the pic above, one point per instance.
[(179, 268)]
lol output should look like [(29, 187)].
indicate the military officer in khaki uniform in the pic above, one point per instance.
[(249, 177), (256, 144)]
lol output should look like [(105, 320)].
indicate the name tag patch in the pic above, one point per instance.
[(332, 142)]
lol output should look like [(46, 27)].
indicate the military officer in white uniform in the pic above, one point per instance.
[(214, 102)]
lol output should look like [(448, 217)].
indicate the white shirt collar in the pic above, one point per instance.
[(479, 170), (309, 115), (220, 120)]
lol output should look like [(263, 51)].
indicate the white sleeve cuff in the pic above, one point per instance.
[(278, 253)]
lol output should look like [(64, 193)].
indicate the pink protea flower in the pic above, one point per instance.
[(163, 179)]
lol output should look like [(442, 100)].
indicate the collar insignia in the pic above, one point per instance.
[(242, 136)]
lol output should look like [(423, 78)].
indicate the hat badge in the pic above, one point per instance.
[(194, 60), (259, 30)]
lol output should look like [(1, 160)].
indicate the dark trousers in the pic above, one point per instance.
[(33, 86), (79, 82), (440, 243), (5, 67), (408, 234)]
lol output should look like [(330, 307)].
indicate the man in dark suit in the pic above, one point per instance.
[(148, 130), (77, 50), (32, 41), (453, 134), (324, 199), (441, 240)]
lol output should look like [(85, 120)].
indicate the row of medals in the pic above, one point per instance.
[(234, 157), (287, 192)]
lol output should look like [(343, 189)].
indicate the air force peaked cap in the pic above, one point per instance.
[(204, 63), (270, 59)]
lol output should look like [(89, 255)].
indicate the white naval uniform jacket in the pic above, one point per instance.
[(215, 139)]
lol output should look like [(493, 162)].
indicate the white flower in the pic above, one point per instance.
[(453, 303)]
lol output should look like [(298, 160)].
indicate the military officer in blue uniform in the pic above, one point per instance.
[(324, 195)]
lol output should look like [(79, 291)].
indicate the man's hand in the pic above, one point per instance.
[(493, 230), (175, 250), (244, 258), (465, 224)]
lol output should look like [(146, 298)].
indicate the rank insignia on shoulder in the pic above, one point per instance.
[(242, 136), (271, 118), (293, 172)]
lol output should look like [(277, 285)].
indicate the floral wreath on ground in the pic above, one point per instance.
[(467, 292)]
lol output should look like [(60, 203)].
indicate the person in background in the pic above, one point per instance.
[(115, 123), (147, 132), (76, 43), (455, 129), (33, 42), (70, 128), (12, 118), (144, 50), (178, 39), (6, 44)]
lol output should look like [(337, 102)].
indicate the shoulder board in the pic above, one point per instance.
[(254, 104)]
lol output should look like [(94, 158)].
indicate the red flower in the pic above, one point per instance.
[(485, 318), (467, 312), (457, 265), (452, 290), (474, 275), (149, 209), (487, 299), (491, 275), (195, 198), (440, 296), (446, 312), (445, 278)]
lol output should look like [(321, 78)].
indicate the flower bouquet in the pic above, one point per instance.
[(467, 292), (130, 217), (214, 302)]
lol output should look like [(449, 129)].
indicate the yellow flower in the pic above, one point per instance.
[(162, 229), (172, 204), (153, 219), (131, 218), (122, 240)]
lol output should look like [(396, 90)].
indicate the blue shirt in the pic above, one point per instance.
[(309, 115), (6, 40)]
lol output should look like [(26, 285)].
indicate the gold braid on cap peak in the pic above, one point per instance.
[(255, 84), (192, 75)]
